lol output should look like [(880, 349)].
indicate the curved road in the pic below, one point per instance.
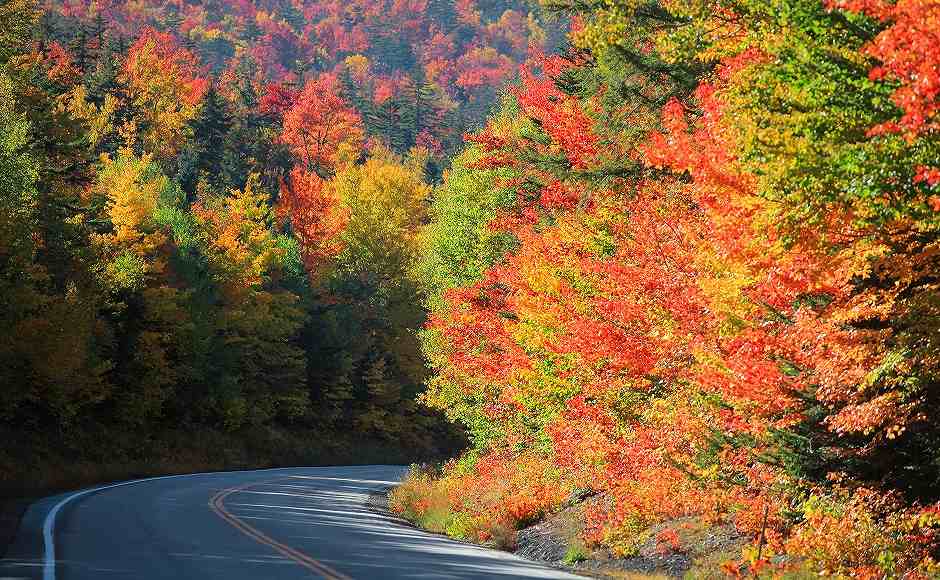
[(291, 524)]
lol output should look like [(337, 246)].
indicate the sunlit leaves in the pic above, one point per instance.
[(698, 342), (316, 217), (164, 87), (239, 237), (459, 245), (131, 187), (320, 128), (18, 175), (909, 55), (384, 199)]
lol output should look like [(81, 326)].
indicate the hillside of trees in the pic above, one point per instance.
[(687, 279), (680, 276), (209, 216)]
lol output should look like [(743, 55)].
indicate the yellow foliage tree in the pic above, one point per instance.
[(241, 244), (131, 187), (99, 120), (386, 200)]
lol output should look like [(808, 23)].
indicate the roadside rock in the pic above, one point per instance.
[(556, 540), (672, 566), (540, 542)]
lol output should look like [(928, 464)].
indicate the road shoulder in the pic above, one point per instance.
[(11, 516)]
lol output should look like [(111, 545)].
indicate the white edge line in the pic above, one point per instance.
[(48, 525)]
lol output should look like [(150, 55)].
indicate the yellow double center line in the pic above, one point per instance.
[(217, 503)]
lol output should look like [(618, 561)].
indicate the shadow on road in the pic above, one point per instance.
[(319, 517)]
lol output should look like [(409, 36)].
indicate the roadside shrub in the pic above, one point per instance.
[(866, 534), (485, 500)]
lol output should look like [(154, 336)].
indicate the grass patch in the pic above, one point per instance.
[(575, 553)]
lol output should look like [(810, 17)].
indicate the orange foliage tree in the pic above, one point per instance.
[(164, 86), (320, 128), (316, 217)]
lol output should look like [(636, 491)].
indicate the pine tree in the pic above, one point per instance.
[(103, 80), (18, 17), (385, 120), (79, 49), (210, 131), (99, 33)]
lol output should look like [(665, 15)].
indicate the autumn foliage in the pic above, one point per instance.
[(166, 86), (315, 216), (319, 127), (371, 56), (208, 224), (686, 270), (701, 311)]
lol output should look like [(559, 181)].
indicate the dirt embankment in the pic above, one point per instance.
[(667, 550), (671, 549)]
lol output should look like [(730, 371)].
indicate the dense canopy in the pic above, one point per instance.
[(665, 265)]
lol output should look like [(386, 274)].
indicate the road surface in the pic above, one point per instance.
[(296, 523)]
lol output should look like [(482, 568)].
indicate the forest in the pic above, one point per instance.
[(209, 226), (664, 266)]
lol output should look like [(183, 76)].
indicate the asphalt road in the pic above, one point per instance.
[(297, 523)]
